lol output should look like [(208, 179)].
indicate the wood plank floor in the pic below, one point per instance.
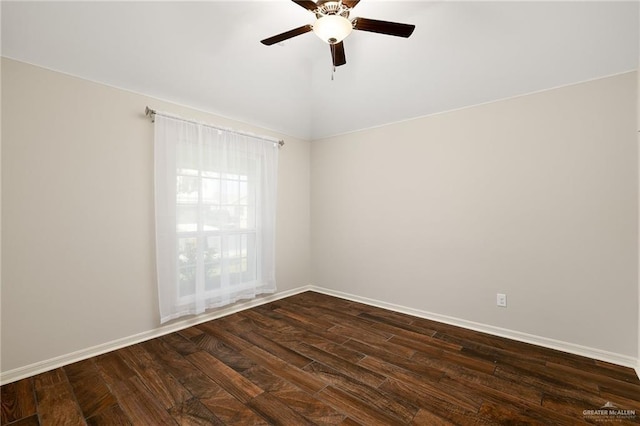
[(316, 359)]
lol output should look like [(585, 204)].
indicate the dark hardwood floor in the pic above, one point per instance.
[(316, 359)]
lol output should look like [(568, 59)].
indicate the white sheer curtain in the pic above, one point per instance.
[(215, 202)]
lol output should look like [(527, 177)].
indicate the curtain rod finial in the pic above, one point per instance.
[(148, 112)]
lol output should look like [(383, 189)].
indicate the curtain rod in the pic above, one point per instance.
[(152, 113)]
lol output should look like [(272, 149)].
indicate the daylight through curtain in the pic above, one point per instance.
[(215, 202)]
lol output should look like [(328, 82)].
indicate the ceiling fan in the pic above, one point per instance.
[(333, 26)]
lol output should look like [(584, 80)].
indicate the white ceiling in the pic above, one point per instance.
[(207, 55)]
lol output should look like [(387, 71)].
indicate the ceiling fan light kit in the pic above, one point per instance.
[(332, 29), (333, 25)]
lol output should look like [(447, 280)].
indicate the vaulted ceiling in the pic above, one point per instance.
[(208, 55)]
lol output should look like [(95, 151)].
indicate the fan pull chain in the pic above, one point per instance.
[(333, 55)]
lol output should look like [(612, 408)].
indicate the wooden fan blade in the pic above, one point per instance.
[(384, 27), (337, 54), (287, 35), (309, 5), (350, 3)]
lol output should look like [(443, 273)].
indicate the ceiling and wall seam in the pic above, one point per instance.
[(308, 139)]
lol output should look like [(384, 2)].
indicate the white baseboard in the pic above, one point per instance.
[(46, 365), (50, 364), (599, 354)]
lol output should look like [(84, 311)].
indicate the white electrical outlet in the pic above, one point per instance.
[(501, 300)]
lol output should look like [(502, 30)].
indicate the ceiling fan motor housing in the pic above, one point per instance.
[(332, 8)]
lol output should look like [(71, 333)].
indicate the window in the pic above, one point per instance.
[(215, 216)]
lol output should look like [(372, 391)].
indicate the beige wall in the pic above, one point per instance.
[(535, 197), (77, 213)]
